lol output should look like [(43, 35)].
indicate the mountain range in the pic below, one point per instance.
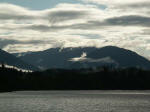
[(84, 57), (12, 60)]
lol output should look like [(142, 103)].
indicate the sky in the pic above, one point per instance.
[(35, 25)]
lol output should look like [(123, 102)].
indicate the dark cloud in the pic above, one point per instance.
[(82, 26), (136, 5), (131, 20), (59, 16), (45, 28), (13, 16), (5, 42)]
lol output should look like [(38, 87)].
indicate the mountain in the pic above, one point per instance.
[(113, 56), (54, 57), (11, 60), (84, 57), (121, 56)]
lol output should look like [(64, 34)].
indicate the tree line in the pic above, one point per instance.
[(102, 78)]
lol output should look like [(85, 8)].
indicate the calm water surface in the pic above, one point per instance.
[(75, 101)]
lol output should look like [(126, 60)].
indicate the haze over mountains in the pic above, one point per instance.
[(85, 57)]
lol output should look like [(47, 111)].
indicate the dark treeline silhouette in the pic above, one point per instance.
[(102, 78)]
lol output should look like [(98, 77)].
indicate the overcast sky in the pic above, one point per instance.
[(34, 25)]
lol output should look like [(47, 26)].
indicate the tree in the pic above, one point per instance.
[(3, 65)]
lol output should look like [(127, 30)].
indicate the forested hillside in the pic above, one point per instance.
[(102, 78)]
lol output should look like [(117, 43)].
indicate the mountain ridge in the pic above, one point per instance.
[(60, 58), (12, 60)]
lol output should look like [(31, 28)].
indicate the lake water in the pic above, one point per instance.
[(75, 101)]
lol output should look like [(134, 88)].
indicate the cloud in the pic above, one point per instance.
[(13, 12), (116, 2), (58, 14), (5, 42), (84, 58), (123, 6), (131, 20), (81, 58), (74, 25)]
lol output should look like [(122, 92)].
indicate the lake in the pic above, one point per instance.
[(75, 101)]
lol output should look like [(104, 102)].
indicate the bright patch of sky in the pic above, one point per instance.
[(45, 4), (38, 4)]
